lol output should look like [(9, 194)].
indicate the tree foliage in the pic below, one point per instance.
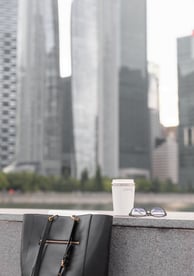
[(3, 181), (30, 182)]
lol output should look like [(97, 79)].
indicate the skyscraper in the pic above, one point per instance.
[(153, 102), (134, 127), (41, 91), (95, 85), (108, 93), (186, 110), (110, 105), (165, 156), (8, 79), (85, 61), (90, 119), (164, 147)]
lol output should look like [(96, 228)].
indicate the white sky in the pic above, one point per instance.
[(167, 20), (64, 10)]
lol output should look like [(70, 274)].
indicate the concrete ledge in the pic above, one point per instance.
[(139, 247), (179, 220)]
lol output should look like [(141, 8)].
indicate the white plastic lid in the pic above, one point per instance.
[(123, 181)]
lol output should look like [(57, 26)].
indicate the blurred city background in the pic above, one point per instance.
[(92, 90)]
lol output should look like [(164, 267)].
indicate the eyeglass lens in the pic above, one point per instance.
[(141, 212), (158, 212)]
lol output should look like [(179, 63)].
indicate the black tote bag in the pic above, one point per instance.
[(61, 245)]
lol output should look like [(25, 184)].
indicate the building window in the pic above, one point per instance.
[(7, 43), (5, 121), (7, 51), (189, 136), (6, 77), (6, 60), (5, 112)]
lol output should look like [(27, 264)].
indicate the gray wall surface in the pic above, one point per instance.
[(139, 247)]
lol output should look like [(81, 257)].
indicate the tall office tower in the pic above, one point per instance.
[(165, 157), (41, 91), (108, 97), (68, 156), (85, 83), (164, 146), (8, 79), (95, 85), (186, 110), (156, 129), (111, 120), (153, 102), (134, 130)]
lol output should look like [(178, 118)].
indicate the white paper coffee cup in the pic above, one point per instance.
[(123, 193)]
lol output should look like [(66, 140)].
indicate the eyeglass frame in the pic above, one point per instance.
[(148, 212)]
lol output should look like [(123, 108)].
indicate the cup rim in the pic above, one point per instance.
[(123, 181)]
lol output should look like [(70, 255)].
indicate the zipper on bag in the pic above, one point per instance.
[(60, 242)]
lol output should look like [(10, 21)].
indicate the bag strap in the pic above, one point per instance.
[(66, 256), (36, 269)]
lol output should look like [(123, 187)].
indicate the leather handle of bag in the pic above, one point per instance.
[(66, 256), (36, 268)]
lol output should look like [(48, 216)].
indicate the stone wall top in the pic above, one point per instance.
[(178, 220)]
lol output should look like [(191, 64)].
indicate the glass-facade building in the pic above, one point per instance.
[(96, 117), (84, 83), (42, 94), (108, 94), (185, 56), (134, 126), (8, 80), (109, 86)]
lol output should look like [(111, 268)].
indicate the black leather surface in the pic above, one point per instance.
[(89, 258)]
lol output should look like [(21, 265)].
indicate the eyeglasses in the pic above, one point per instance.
[(141, 212)]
